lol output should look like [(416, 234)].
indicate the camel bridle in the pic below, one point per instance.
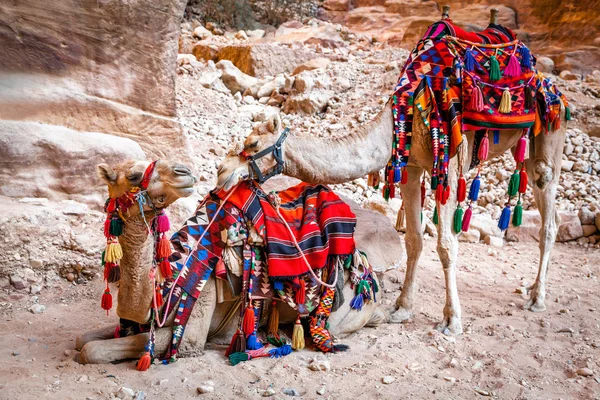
[(276, 150)]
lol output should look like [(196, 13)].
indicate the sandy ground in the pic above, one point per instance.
[(505, 352)]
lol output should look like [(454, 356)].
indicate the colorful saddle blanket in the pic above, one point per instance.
[(456, 81)]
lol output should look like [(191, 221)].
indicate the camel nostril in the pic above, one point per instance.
[(182, 170)]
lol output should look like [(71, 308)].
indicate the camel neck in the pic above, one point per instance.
[(328, 161)]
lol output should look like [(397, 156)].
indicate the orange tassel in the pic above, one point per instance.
[(165, 269), (106, 300), (164, 248), (249, 321), (144, 363), (301, 292)]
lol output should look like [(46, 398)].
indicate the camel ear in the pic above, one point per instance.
[(107, 174), (274, 123)]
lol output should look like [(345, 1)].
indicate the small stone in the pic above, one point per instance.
[(125, 393), (35, 289), (450, 379), (18, 282), (36, 263), (319, 365), (37, 309), (291, 392), (203, 389), (388, 379), (566, 330), (585, 372), (493, 241), (269, 392), (321, 390), (83, 378), (521, 290), (140, 395), (70, 277), (15, 353), (482, 392)]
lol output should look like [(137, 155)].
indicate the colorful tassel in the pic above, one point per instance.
[(386, 192), (158, 296), (496, 135), (238, 344), (525, 57), (461, 191), (301, 292), (397, 174), (435, 216), (112, 273), (298, 335), (518, 215), (484, 148), (274, 319), (458, 220), (144, 362), (568, 113), (252, 343), (281, 351), (469, 60), (238, 357), (520, 149), (249, 321), (357, 302), (111, 207), (494, 69), (504, 218), (400, 218), (107, 227), (529, 99), (513, 68), (162, 223), (221, 270), (474, 189), (439, 192), (113, 252), (164, 247), (445, 195), (466, 222), (404, 178), (116, 227), (523, 180), (513, 184), (373, 180), (106, 302), (505, 103), (476, 101), (434, 181), (165, 269), (278, 284)]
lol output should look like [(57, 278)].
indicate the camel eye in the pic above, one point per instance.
[(134, 177), (253, 145)]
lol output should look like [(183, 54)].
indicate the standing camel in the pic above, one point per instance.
[(368, 149)]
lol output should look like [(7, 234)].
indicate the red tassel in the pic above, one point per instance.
[(520, 150), (484, 148), (106, 302), (301, 292), (461, 192), (523, 181), (466, 222), (107, 227), (117, 333), (237, 345), (392, 190), (423, 193), (144, 363), (445, 195), (164, 247), (404, 178), (249, 321), (159, 298), (439, 192), (220, 269), (165, 269), (112, 206), (162, 223)]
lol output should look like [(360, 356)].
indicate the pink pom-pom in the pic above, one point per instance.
[(466, 222), (162, 223), (484, 148), (520, 150)]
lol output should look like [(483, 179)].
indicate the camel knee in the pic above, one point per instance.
[(543, 174)]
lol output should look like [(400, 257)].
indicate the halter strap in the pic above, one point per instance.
[(276, 150)]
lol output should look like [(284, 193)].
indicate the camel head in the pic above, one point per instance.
[(168, 182), (235, 167)]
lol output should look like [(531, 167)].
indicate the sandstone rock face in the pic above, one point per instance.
[(55, 162), (325, 35)]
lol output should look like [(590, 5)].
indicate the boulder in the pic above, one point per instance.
[(586, 216), (201, 32), (568, 76), (55, 162), (493, 241), (485, 225), (315, 63), (471, 236), (336, 5), (545, 64), (205, 50), (256, 33), (589, 230), (529, 231), (570, 228), (597, 220), (310, 103), (273, 85), (325, 35), (233, 78)]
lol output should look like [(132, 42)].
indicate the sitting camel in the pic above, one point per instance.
[(209, 319), (368, 149)]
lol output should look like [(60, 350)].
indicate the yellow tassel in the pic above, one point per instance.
[(400, 219), (274, 319), (505, 103), (113, 252), (298, 336)]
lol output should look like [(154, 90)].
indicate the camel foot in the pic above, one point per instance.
[(536, 300), (91, 353), (400, 315), (379, 317), (450, 326)]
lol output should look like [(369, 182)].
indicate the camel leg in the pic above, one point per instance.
[(411, 195), (544, 170), (107, 332), (125, 348), (447, 249)]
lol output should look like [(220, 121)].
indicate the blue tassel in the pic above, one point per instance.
[(397, 174), (278, 285), (496, 136), (281, 351), (469, 60), (357, 302), (253, 343), (474, 190), (504, 218), (525, 57)]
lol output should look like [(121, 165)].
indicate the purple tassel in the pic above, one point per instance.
[(162, 223), (513, 68)]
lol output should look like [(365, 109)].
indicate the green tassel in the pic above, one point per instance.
[(275, 341), (517, 215), (434, 182), (458, 217), (386, 192), (421, 217), (568, 114), (513, 185), (236, 358), (103, 254), (435, 216), (116, 227), (494, 69)]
